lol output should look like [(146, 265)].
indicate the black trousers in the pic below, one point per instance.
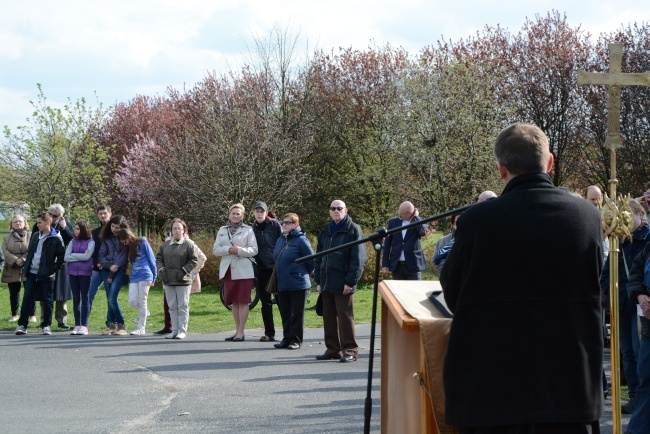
[(292, 310), (14, 298), (265, 299), (42, 290)]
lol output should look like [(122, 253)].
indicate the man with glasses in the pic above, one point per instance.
[(337, 276), (44, 260), (403, 255)]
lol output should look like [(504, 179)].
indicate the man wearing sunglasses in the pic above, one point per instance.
[(337, 276)]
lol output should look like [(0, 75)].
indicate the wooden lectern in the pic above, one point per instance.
[(406, 406)]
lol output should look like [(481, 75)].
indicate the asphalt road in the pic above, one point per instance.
[(104, 384)]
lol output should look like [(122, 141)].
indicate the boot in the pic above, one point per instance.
[(111, 330), (121, 330)]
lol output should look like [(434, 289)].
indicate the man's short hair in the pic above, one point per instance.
[(57, 208), (44, 216), (522, 148), (102, 207)]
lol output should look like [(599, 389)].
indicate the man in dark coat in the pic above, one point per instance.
[(337, 276), (403, 255), (525, 348)]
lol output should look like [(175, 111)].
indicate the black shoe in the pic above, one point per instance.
[(64, 326), (326, 357), (348, 358), (281, 345), (230, 339), (162, 331), (628, 407), (242, 339), (293, 346)]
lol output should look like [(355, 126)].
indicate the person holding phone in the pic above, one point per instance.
[(403, 255)]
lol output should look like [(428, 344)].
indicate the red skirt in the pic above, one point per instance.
[(237, 291)]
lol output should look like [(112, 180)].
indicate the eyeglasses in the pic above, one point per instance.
[(54, 216), (286, 222), (337, 208)]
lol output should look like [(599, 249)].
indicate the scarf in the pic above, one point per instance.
[(336, 226), (234, 227)]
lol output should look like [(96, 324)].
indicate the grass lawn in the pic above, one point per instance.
[(207, 314)]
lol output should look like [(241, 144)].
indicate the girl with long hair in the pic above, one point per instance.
[(79, 257)]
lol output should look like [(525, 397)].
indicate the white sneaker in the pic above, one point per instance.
[(32, 319), (180, 335), (138, 332), (82, 330), (13, 319), (47, 330), (172, 335), (21, 330), (75, 331)]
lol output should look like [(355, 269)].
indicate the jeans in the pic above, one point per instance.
[(115, 315), (640, 421), (81, 306), (96, 280), (43, 290), (629, 339)]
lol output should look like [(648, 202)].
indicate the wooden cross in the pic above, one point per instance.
[(614, 80)]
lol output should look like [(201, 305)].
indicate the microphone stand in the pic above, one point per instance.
[(377, 245)]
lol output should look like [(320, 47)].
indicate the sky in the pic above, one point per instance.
[(119, 49)]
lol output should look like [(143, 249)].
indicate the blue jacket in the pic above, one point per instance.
[(292, 276), (143, 267), (640, 238), (395, 244)]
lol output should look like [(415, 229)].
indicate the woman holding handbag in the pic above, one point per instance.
[(292, 280), (236, 243)]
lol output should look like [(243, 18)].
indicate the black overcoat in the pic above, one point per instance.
[(522, 279)]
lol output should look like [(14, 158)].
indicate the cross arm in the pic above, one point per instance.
[(614, 79)]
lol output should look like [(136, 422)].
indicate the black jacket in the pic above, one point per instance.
[(98, 246), (51, 255), (522, 280), (636, 285), (266, 240), (335, 270)]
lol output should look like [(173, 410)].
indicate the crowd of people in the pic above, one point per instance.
[(57, 262), (526, 275)]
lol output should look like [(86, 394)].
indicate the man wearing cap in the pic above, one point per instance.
[(337, 276), (403, 255), (267, 231)]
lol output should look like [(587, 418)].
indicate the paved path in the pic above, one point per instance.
[(104, 384), (95, 383)]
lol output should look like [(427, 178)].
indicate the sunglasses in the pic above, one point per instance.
[(337, 208), (286, 222), (54, 216)]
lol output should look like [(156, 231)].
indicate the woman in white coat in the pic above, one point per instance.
[(236, 244)]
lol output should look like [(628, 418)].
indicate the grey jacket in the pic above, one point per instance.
[(175, 262)]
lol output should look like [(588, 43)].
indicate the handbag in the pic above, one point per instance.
[(272, 284)]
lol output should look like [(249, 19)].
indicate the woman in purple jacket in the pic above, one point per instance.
[(78, 256)]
